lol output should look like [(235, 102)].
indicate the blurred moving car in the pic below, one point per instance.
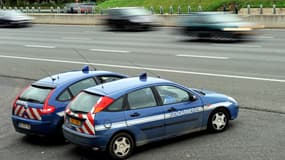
[(87, 7), (13, 18), (217, 25), (39, 108), (130, 18), (123, 114)]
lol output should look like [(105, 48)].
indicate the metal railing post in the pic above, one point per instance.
[(151, 10), (58, 10), (189, 9), (274, 8), (179, 9), (78, 10), (161, 10), (93, 10), (27, 10), (171, 10), (200, 8), (248, 9)]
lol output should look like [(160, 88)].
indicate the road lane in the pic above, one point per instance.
[(254, 135), (155, 51)]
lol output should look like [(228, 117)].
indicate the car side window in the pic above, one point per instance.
[(171, 94), (116, 106), (65, 96), (83, 84), (141, 99), (105, 79)]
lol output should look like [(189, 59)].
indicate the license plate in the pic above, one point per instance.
[(74, 121), (24, 125)]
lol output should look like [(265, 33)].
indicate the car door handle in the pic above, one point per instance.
[(172, 109), (135, 114)]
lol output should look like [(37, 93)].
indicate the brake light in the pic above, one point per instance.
[(47, 109), (102, 103), (19, 94)]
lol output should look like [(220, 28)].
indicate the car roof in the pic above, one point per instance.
[(117, 88), (69, 77)]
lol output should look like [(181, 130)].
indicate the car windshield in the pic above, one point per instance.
[(35, 94), (84, 102)]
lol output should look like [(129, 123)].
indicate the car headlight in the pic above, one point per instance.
[(232, 99)]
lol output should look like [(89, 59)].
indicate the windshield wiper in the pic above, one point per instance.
[(78, 111), (30, 100)]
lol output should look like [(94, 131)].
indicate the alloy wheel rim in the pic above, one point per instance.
[(121, 146), (219, 121)]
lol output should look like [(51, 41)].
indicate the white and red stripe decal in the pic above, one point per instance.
[(30, 113), (87, 126)]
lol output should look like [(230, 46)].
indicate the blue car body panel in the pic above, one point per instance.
[(152, 123), (50, 124)]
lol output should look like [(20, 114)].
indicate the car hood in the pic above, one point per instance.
[(210, 97)]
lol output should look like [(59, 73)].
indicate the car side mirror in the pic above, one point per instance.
[(193, 98)]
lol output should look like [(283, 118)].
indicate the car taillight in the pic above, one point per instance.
[(102, 103), (47, 109), (20, 93)]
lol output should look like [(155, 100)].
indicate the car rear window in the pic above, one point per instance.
[(84, 102), (35, 94)]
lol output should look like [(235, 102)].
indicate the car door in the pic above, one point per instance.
[(144, 115), (183, 111)]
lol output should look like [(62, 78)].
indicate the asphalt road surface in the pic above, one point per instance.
[(251, 71)]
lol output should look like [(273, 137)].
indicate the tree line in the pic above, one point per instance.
[(39, 2)]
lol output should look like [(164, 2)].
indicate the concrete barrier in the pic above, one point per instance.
[(67, 19), (269, 21)]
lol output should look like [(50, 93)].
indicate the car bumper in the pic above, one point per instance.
[(84, 140), (41, 128), (234, 111)]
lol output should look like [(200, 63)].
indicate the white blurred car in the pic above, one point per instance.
[(13, 18), (130, 18)]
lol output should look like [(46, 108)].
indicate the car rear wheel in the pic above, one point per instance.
[(218, 120), (121, 146)]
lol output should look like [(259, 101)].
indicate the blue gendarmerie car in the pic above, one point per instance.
[(120, 115), (39, 108)]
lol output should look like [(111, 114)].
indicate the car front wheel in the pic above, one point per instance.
[(121, 146), (218, 120)]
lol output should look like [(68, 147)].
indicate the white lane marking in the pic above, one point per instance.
[(145, 68), (75, 38), (106, 50), (237, 45), (38, 46), (198, 56)]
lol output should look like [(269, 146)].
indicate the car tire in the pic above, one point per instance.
[(121, 146), (218, 120)]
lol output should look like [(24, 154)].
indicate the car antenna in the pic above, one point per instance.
[(48, 73), (84, 58)]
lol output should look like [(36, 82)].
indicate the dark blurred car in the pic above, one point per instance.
[(87, 7), (216, 25), (13, 18), (130, 18)]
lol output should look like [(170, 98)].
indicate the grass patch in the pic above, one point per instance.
[(207, 5)]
